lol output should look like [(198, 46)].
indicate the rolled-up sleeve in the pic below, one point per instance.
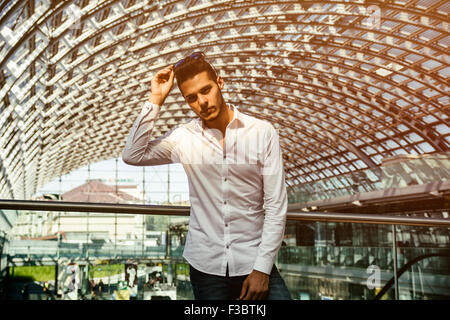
[(140, 149), (275, 203)]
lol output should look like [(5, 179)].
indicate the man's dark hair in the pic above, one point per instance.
[(191, 68)]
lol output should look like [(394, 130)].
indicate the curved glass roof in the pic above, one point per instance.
[(347, 83)]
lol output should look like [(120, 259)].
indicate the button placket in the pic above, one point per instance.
[(229, 143), (225, 189), (226, 217)]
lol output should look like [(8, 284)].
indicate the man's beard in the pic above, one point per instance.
[(220, 106)]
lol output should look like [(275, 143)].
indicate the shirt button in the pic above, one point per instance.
[(225, 179), (228, 246), (225, 202), (226, 224)]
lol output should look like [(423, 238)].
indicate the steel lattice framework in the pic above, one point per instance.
[(346, 83)]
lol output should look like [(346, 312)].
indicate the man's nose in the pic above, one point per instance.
[(202, 101)]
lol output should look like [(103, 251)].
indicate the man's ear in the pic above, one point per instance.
[(220, 82)]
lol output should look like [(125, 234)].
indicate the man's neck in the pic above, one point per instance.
[(223, 119)]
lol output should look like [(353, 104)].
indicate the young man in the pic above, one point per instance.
[(234, 167)]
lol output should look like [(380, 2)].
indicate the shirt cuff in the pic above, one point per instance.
[(149, 107), (264, 265)]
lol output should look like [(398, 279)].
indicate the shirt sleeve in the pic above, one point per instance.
[(275, 203), (140, 149)]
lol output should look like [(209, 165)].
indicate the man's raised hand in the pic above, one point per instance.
[(161, 84)]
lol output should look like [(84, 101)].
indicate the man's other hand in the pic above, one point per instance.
[(255, 286)]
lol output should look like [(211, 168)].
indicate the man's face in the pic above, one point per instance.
[(203, 95)]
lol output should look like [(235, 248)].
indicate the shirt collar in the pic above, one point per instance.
[(237, 116)]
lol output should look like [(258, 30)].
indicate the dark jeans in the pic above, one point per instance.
[(212, 287)]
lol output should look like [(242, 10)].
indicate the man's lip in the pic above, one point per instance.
[(207, 110)]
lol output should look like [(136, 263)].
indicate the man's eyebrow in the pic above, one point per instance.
[(201, 89), (206, 87)]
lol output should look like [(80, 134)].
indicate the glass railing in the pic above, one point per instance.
[(323, 256), (344, 261), (38, 249)]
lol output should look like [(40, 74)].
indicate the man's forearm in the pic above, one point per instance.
[(275, 203), (272, 237), (140, 133)]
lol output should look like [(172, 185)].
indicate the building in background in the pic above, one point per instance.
[(83, 226)]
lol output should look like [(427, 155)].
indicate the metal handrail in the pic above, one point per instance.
[(369, 218), (35, 205), (39, 205)]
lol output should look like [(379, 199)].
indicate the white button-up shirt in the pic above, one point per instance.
[(237, 192)]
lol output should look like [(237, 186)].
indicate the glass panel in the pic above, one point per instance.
[(336, 261), (71, 249), (423, 263)]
